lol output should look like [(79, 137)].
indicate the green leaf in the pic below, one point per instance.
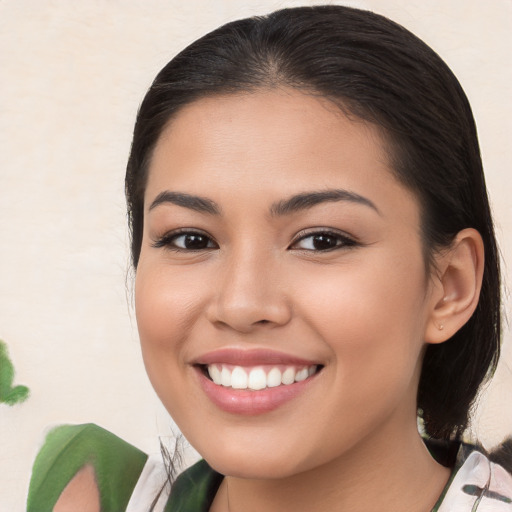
[(8, 394)]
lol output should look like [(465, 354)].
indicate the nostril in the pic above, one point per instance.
[(246, 313)]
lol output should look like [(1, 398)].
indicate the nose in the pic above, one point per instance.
[(250, 294)]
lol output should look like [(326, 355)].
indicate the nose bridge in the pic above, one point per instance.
[(249, 290)]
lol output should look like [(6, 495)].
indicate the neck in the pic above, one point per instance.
[(389, 473)]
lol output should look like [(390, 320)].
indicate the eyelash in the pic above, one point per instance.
[(168, 240), (341, 240)]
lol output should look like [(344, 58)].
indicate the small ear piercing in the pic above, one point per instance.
[(441, 326)]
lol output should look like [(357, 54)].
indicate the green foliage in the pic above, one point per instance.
[(8, 394)]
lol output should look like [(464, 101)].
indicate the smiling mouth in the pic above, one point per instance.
[(256, 378)]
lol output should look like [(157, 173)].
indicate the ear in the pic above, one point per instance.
[(456, 286)]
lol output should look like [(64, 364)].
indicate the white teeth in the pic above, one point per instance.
[(238, 378), (256, 378), (288, 376), (301, 375), (273, 378), (225, 377), (215, 374)]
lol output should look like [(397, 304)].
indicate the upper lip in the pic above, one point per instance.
[(252, 357)]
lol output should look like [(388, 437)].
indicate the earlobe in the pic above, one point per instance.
[(458, 285)]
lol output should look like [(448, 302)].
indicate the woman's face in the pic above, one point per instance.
[(278, 247)]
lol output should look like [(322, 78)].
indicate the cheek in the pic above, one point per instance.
[(372, 318), (165, 311), (167, 301), (166, 306), (154, 316)]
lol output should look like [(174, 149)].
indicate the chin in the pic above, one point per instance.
[(252, 469), (253, 464)]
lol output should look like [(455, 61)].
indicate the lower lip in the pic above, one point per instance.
[(250, 403)]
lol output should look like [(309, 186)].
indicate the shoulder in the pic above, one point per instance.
[(477, 483), (88, 458), (81, 493)]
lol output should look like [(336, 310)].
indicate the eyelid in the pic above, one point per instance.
[(165, 240), (346, 239)]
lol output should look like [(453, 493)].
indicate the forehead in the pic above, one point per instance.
[(279, 141)]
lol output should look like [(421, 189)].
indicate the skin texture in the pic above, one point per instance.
[(363, 310), (81, 494)]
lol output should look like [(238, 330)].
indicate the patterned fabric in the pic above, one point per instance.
[(152, 487), (127, 478), (477, 485)]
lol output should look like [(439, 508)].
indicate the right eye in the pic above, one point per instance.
[(186, 241)]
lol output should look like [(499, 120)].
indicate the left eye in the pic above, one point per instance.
[(323, 241), (192, 241), (185, 241)]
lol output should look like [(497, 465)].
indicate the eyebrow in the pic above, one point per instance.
[(307, 200), (196, 203), (288, 206)]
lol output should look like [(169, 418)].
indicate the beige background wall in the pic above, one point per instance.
[(72, 75)]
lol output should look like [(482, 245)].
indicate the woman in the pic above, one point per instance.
[(315, 267)]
